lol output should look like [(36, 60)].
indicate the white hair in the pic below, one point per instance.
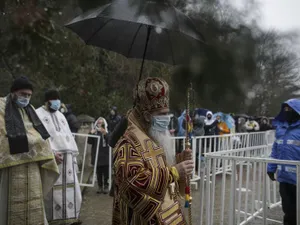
[(163, 139)]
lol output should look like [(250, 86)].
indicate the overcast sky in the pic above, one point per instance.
[(281, 14)]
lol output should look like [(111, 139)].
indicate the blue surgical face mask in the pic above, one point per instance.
[(161, 123), (55, 104), (22, 102)]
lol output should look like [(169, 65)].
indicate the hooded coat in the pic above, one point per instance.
[(113, 120), (181, 130), (72, 119), (210, 127), (252, 126), (265, 126), (286, 145), (198, 126), (174, 125), (242, 125), (103, 154)]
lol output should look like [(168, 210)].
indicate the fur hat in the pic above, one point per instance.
[(20, 83), (51, 95)]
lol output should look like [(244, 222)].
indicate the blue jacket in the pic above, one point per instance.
[(286, 146), (181, 130)]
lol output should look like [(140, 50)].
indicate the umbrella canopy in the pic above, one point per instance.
[(144, 30), (241, 115), (201, 112), (230, 122)]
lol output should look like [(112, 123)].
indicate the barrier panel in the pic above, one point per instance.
[(244, 186), (86, 167), (207, 144)]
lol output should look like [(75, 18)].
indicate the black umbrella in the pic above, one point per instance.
[(144, 30)]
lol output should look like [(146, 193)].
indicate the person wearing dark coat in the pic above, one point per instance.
[(198, 131), (265, 124), (71, 118), (100, 129), (114, 137), (211, 129), (173, 126), (241, 128), (198, 126), (114, 119)]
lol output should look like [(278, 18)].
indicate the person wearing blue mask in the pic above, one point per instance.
[(287, 147), (64, 201), (148, 175), (27, 165)]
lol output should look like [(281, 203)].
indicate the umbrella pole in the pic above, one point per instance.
[(145, 51)]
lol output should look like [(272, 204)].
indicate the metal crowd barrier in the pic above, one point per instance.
[(248, 191), (200, 147)]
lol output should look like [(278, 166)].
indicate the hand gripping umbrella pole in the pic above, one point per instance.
[(188, 198)]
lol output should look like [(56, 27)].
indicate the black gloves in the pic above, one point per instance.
[(271, 176)]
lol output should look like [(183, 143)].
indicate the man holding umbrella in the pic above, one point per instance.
[(147, 176)]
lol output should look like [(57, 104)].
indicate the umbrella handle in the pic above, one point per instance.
[(145, 51), (143, 61)]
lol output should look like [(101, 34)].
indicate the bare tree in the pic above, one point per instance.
[(277, 77)]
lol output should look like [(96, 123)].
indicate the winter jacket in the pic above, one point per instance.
[(118, 132), (72, 120), (252, 126), (103, 154), (113, 122), (198, 126), (241, 125), (181, 129), (174, 125), (211, 129), (223, 128), (286, 146), (265, 126)]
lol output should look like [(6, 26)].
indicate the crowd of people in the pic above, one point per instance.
[(217, 124)]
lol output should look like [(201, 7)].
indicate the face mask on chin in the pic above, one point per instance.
[(22, 102), (161, 123), (55, 104)]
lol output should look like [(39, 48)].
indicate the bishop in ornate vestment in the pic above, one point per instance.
[(148, 179), (27, 166), (64, 201)]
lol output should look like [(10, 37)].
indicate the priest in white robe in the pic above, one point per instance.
[(64, 202), (27, 166)]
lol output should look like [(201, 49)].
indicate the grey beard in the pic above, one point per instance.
[(163, 139)]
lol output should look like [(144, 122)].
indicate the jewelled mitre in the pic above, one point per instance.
[(152, 94)]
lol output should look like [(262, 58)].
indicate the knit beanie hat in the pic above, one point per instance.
[(20, 83), (51, 95)]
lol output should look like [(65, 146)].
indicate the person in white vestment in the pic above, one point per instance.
[(64, 201)]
